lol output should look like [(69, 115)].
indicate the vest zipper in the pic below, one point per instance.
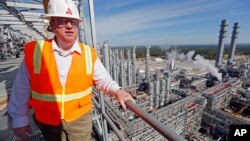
[(63, 93)]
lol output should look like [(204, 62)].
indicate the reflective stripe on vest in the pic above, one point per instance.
[(37, 57), (58, 97), (88, 58)]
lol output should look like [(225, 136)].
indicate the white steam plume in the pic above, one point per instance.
[(190, 55), (204, 63)]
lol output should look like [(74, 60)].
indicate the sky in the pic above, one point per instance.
[(168, 22)]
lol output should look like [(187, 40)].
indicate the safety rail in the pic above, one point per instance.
[(166, 132), (157, 125), (110, 122)]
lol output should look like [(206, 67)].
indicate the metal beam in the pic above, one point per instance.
[(31, 14), (33, 19), (18, 26), (4, 12), (10, 18), (38, 23), (16, 13), (11, 22), (25, 5)]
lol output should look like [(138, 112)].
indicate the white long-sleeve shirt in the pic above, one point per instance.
[(18, 106)]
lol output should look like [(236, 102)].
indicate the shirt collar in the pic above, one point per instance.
[(75, 48)]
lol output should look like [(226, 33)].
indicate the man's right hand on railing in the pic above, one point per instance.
[(122, 96)]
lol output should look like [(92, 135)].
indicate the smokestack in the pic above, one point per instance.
[(220, 48), (233, 43)]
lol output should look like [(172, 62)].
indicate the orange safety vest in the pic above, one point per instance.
[(50, 100)]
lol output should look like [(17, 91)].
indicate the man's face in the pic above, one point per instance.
[(65, 29)]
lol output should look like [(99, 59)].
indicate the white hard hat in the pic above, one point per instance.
[(62, 8)]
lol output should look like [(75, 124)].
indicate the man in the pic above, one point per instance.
[(60, 74)]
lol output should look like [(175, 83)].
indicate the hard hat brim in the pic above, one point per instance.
[(49, 16)]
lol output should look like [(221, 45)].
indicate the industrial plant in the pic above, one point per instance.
[(194, 97), (198, 99)]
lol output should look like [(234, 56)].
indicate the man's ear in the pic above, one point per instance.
[(51, 26)]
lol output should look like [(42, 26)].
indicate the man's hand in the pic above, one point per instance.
[(122, 96), (23, 132)]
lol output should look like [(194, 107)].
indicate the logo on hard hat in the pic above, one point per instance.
[(68, 11)]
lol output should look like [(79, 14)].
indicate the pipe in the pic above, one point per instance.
[(163, 130)]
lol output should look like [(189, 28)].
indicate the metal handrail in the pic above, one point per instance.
[(157, 125), (109, 121)]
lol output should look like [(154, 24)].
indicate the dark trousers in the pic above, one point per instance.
[(77, 130)]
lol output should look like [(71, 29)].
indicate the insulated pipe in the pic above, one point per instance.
[(157, 125)]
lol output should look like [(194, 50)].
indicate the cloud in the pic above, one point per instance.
[(152, 16), (119, 3)]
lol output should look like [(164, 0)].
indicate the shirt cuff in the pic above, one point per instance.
[(20, 122), (114, 89)]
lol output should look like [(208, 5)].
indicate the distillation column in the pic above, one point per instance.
[(157, 92), (163, 88), (233, 43), (106, 56), (117, 66), (134, 65), (122, 73), (82, 37), (168, 87), (114, 65), (129, 73), (151, 94), (147, 64), (220, 48)]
